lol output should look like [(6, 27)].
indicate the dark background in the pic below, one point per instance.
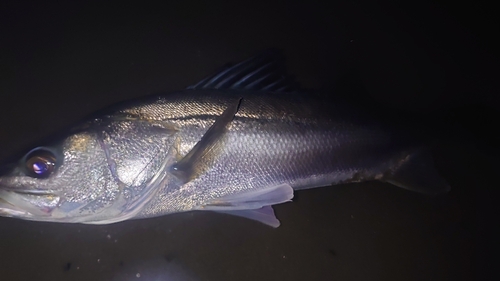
[(437, 61)]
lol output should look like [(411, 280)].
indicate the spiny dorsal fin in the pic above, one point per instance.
[(262, 72)]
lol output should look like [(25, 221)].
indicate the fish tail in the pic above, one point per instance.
[(417, 172)]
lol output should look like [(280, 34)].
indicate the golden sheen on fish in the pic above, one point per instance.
[(237, 142)]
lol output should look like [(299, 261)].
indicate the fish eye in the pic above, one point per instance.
[(40, 163)]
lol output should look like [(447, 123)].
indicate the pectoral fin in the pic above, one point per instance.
[(191, 165), (253, 204)]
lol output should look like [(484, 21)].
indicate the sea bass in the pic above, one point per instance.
[(237, 142)]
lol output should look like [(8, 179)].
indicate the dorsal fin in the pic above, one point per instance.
[(262, 72)]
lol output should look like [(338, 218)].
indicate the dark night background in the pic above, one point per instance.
[(436, 61)]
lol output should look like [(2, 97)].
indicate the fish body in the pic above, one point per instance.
[(227, 148)]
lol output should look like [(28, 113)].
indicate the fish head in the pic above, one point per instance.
[(103, 171), (68, 181)]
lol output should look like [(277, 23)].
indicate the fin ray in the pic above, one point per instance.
[(258, 73)]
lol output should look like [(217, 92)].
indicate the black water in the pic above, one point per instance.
[(60, 62)]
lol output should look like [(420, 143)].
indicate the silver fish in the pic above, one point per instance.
[(238, 142)]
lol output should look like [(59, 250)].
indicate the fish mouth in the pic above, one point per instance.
[(21, 204)]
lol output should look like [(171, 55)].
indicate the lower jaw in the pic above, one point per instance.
[(8, 210)]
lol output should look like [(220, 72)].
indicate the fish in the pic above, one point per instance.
[(238, 142)]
